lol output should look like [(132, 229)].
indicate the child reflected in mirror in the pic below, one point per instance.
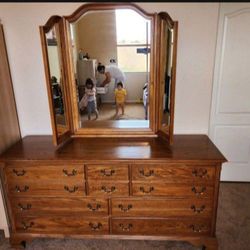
[(90, 93), (120, 96)]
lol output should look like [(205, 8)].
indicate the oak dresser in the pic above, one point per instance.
[(113, 189)]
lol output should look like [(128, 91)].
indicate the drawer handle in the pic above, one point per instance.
[(73, 190), (108, 190), (26, 227), (73, 173), (197, 228), (201, 192), (22, 207), (95, 226), (125, 228), (200, 173), (125, 209), (92, 208), (19, 190), (106, 172), (146, 191), (19, 173), (148, 174), (198, 210)]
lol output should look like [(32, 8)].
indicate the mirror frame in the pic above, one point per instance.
[(155, 129), (164, 19), (102, 131), (58, 136)]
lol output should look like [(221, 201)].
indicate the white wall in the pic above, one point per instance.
[(195, 60)]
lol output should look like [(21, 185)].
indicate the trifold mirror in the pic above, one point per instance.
[(110, 71)]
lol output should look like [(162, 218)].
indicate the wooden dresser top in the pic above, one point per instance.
[(185, 148)]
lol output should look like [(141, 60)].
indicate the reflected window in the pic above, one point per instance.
[(133, 41)]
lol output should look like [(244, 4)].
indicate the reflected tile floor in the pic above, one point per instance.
[(233, 229)]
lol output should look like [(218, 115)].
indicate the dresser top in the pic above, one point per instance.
[(185, 147)]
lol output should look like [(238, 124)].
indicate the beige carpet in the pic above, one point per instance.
[(233, 229), (133, 111)]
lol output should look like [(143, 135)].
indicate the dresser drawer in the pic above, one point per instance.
[(171, 190), (39, 188), (108, 188), (161, 207), (173, 173), (63, 225), (56, 206), (32, 172), (107, 172), (160, 226)]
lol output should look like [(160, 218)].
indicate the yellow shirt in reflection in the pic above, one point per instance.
[(120, 95)]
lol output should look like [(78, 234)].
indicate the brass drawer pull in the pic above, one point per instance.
[(22, 207), (95, 226), (148, 174), (201, 192), (92, 208), (106, 172), (200, 173), (19, 173), (125, 228), (198, 210), (26, 227), (73, 173), (108, 190), (125, 209), (73, 190), (146, 191), (19, 190), (197, 228)]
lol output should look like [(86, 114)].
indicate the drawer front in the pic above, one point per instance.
[(108, 188), (68, 189), (20, 172), (107, 172), (161, 207), (56, 206), (173, 173), (160, 227), (63, 225), (171, 190)]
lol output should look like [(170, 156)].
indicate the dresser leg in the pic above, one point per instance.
[(205, 243), (18, 242)]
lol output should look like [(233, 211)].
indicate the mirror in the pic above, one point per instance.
[(167, 64), (53, 61), (110, 71), (167, 74), (111, 56)]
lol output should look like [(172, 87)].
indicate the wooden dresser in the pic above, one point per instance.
[(113, 189)]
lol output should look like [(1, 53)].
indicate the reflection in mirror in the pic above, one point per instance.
[(54, 58), (111, 57), (167, 74)]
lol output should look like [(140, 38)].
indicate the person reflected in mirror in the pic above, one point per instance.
[(90, 92), (111, 72), (120, 96)]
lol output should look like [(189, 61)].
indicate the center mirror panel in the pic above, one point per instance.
[(111, 60)]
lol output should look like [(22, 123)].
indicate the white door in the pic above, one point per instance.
[(230, 111)]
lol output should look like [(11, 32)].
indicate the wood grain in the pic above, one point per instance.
[(131, 207), (70, 206), (107, 172), (9, 125), (186, 149), (160, 226), (74, 225)]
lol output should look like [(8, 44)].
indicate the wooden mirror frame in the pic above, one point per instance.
[(163, 20), (154, 129), (59, 135)]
